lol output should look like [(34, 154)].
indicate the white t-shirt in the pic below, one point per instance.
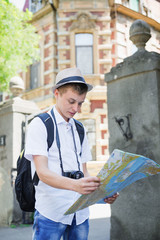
[(52, 202)]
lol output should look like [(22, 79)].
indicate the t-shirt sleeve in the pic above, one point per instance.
[(36, 139)]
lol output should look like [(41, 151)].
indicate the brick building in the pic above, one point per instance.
[(94, 36)]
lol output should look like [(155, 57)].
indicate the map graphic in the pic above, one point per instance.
[(121, 169)]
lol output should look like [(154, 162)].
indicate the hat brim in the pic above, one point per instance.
[(61, 84)]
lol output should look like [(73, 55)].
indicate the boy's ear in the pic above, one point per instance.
[(56, 93)]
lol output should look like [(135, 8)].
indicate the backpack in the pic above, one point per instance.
[(24, 184)]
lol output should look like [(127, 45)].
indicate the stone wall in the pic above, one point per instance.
[(133, 90), (12, 118)]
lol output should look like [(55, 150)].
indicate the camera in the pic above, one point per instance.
[(74, 174)]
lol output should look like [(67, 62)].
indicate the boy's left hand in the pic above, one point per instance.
[(111, 200)]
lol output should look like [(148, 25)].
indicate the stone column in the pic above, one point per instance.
[(12, 118), (133, 95)]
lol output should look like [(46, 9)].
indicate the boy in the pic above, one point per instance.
[(62, 169)]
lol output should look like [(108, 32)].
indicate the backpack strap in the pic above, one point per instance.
[(48, 122), (80, 130)]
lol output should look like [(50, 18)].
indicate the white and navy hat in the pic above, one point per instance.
[(70, 75)]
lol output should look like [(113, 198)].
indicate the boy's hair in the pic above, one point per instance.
[(80, 88)]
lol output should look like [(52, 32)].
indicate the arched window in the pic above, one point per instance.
[(84, 52)]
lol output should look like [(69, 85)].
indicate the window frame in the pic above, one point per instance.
[(86, 46), (95, 49)]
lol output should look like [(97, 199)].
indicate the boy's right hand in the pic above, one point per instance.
[(87, 185)]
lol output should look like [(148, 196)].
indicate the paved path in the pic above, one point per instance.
[(99, 226)]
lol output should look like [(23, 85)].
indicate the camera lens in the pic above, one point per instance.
[(78, 175)]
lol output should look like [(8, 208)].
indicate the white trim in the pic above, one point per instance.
[(106, 18), (101, 61), (64, 19), (50, 57), (63, 33), (103, 126), (123, 44), (102, 157), (64, 61), (105, 46), (105, 32), (48, 86), (102, 77), (50, 31), (50, 45), (102, 142), (63, 47), (49, 71)]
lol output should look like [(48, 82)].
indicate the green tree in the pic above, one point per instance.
[(18, 42)]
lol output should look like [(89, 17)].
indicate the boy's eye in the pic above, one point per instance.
[(71, 102)]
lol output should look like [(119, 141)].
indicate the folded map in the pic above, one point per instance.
[(120, 170)]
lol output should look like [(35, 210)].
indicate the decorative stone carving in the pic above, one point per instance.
[(86, 107), (139, 33), (83, 21), (16, 86), (140, 61)]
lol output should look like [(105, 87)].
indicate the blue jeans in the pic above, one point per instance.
[(46, 229)]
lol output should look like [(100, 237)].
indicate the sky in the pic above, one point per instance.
[(18, 3)]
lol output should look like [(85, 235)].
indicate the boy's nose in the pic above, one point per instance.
[(75, 107)]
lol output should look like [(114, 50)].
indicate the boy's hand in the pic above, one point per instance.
[(87, 185), (111, 200)]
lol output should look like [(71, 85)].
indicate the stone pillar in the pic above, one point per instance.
[(12, 118), (133, 95)]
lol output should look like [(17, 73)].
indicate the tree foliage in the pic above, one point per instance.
[(18, 42)]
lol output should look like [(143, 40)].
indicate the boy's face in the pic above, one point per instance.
[(68, 103)]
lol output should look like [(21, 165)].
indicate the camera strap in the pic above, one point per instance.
[(59, 145), (58, 142), (75, 147)]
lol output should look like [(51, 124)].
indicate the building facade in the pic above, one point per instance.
[(94, 36)]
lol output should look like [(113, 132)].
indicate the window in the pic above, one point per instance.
[(35, 5), (84, 52), (1, 96), (134, 5), (35, 75)]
